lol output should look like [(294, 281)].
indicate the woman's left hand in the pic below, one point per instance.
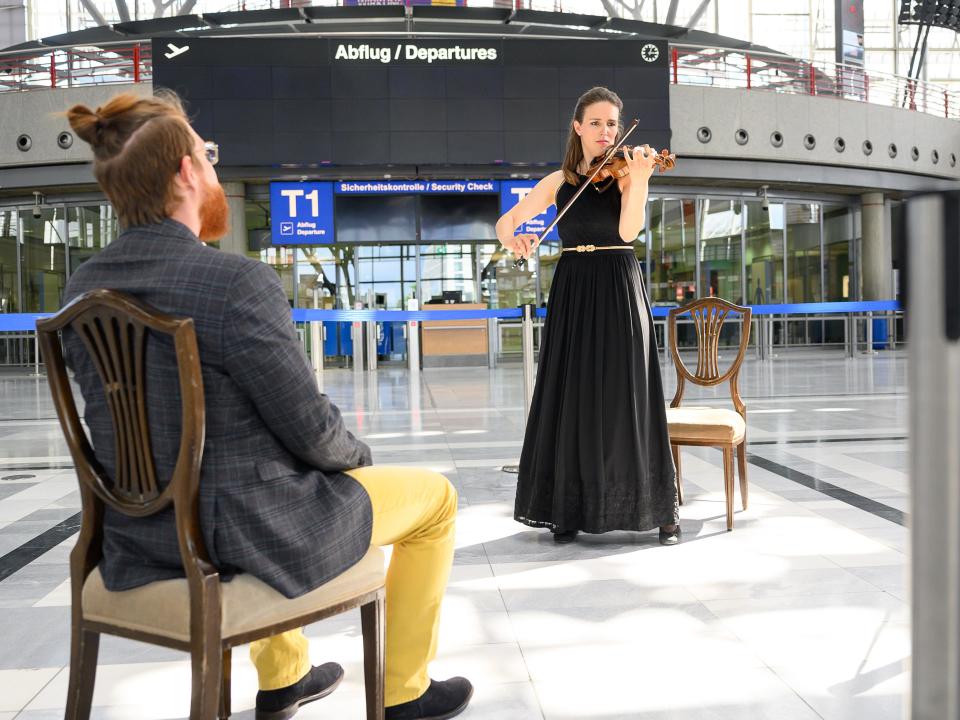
[(640, 161)]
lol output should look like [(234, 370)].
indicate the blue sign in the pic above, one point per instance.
[(419, 187), (512, 192), (301, 213)]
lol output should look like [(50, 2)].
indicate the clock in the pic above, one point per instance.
[(650, 52)]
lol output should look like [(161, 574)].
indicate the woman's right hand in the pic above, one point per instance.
[(522, 245)]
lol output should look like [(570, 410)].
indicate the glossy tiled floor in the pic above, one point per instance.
[(800, 613)]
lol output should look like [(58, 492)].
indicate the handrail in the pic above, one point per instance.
[(699, 65), (77, 66), (732, 68), (14, 322)]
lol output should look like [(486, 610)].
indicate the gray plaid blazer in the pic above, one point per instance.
[(273, 500)]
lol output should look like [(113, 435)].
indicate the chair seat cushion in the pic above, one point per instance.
[(705, 425), (163, 607)]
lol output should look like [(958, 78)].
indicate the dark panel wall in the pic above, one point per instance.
[(301, 102)]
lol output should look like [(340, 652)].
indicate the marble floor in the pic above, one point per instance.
[(799, 613)]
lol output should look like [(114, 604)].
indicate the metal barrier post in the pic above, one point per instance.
[(666, 343), (412, 329), (527, 344), (371, 336), (356, 336), (36, 353), (849, 332), (316, 350), (869, 333), (317, 336), (759, 336), (492, 338), (934, 371)]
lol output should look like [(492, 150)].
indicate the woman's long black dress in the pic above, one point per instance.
[(596, 454)]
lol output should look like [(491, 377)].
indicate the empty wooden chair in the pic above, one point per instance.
[(197, 614), (708, 426)]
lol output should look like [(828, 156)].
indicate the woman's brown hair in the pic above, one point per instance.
[(574, 155), (138, 143)]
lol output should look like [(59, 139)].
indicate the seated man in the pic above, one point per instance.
[(287, 494)]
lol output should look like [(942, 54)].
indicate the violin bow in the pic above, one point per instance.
[(520, 262)]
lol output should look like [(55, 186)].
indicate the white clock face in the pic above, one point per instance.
[(650, 52)]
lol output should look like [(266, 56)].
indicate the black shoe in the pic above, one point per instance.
[(443, 699), (283, 703), (562, 538), (670, 538)]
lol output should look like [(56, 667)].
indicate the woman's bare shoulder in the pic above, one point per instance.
[(554, 180)]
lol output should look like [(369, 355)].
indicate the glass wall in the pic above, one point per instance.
[(9, 277), (730, 247), (43, 264), (838, 238), (89, 229), (387, 275), (672, 259), (763, 258), (504, 286), (327, 276), (721, 262), (803, 253), (448, 273)]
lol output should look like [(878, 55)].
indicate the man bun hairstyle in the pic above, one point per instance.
[(138, 144)]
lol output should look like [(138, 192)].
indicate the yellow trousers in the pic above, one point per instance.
[(414, 510)]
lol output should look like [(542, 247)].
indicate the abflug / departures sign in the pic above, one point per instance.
[(410, 52), (406, 102)]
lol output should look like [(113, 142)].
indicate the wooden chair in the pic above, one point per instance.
[(196, 614), (707, 426)]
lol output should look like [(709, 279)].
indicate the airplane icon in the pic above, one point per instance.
[(174, 51)]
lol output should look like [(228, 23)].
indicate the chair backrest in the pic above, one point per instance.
[(709, 315), (114, 329)]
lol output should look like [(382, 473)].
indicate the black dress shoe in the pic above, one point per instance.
[(670, 538), (283, 703), (443, 699), (562, 538)]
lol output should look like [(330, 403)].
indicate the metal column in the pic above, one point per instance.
[(356, 336), (933, 223), (316, 342), (371, 338), (529, 377), (493, 337), (412, 330)]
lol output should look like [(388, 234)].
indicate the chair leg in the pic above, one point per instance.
[(84, 647), (372, 622), (676, 464), (728, 483), (206, 660), (225, 684), (742, 467)]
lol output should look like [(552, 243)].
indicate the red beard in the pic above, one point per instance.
[(214, 214)]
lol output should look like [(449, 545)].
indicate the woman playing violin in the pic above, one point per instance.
[(596, 453)]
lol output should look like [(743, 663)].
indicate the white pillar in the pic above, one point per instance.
[(876, 249), (235, 241)]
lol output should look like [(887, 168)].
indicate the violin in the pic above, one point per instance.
[(615, 166)]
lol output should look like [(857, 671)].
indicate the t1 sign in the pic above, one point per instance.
[(512, 192), (301, 213)]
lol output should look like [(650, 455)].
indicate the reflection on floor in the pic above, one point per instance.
[(801, 612)]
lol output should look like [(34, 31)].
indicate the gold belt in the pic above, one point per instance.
[(592, 248)]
